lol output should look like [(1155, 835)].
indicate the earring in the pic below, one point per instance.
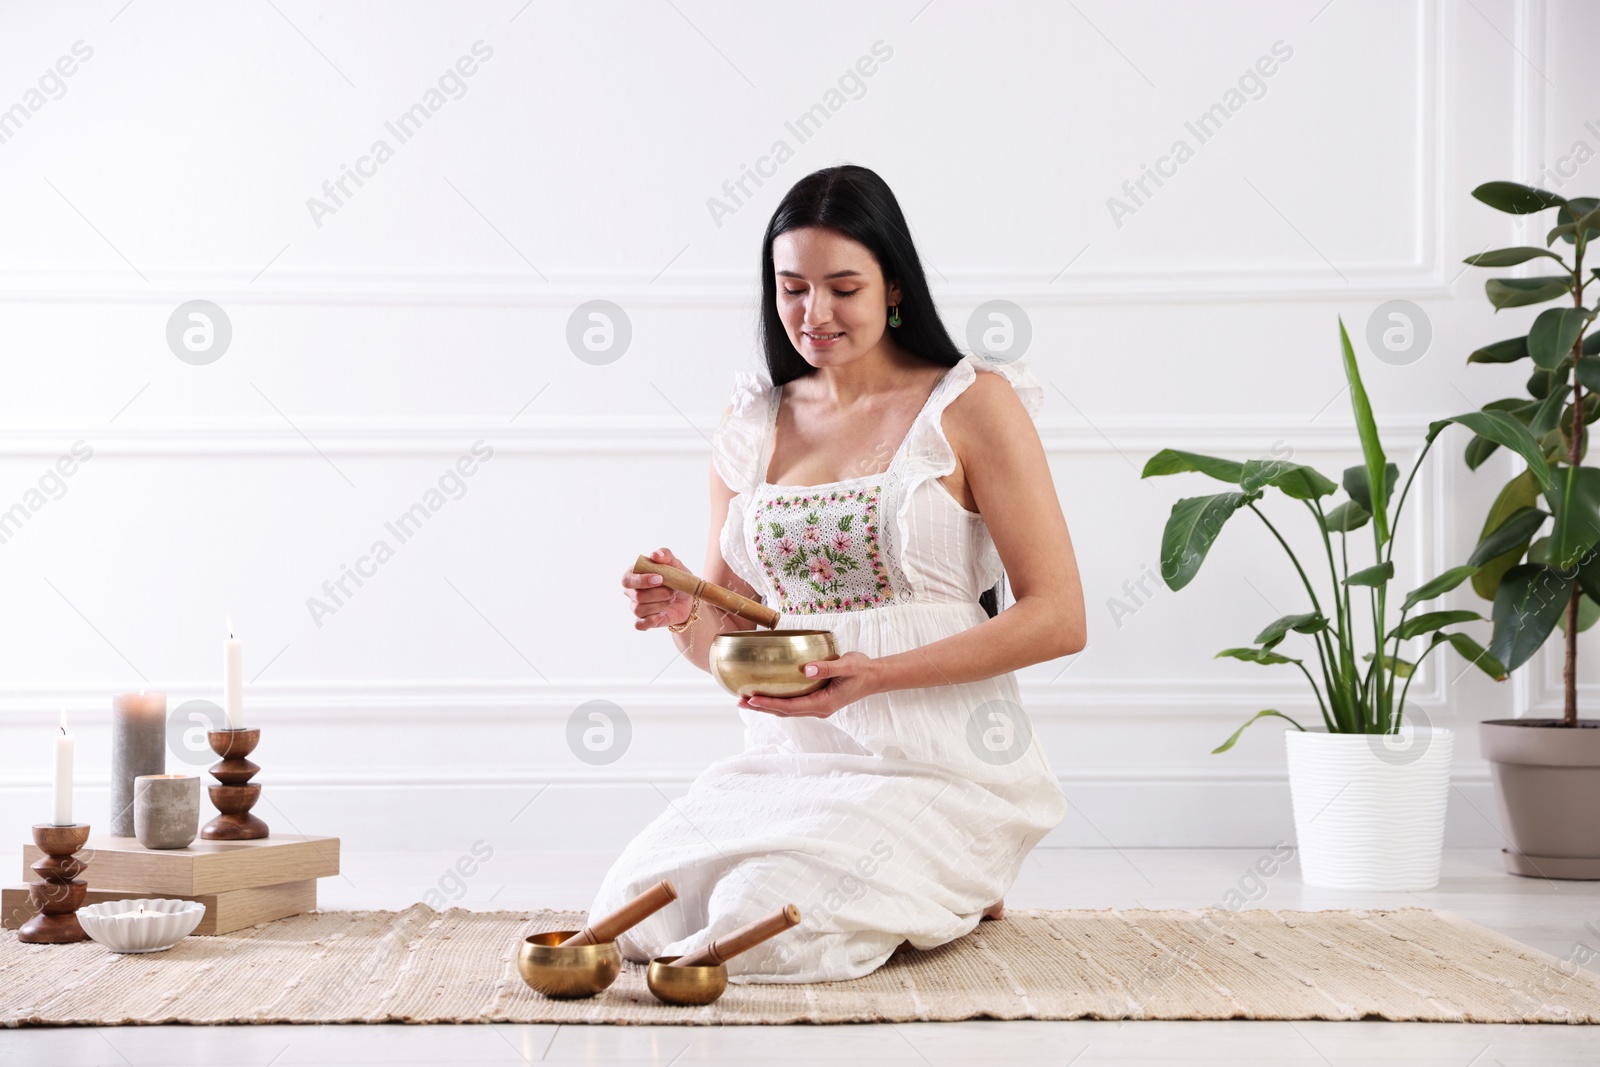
[(894, 314)]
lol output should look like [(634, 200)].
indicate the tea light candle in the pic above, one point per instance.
[(138, 747), (63, 774), (232, 669)]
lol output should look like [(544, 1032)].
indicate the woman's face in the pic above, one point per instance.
[(831, 294)]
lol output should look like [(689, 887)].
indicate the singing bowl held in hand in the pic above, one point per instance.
[(768, 662)]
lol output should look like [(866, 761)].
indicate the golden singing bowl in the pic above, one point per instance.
[(685, 985), (767, 662), (558, 970)]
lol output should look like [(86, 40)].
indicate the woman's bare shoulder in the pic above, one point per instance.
[(988, 409)]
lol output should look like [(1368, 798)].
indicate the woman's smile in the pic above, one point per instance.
[(823, 338)]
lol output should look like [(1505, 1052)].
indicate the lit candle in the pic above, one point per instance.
[(63, 774), (232, 667)]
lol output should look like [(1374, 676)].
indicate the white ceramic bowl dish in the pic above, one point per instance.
[(121, 926)]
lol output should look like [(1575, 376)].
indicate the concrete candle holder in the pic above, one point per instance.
[(166, 809)]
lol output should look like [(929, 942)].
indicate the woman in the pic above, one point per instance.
[(870, 483)]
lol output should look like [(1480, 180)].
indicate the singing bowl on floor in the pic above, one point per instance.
[(685, 985), (558, 970), (767, 662)]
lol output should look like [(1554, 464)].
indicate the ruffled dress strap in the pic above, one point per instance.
[(738, 447), (739, 455), (929, 454)]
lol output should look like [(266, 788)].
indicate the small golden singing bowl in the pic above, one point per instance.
[(558, 970), (767, 662), (688, 986)]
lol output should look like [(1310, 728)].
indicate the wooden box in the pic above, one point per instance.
[(241, 883), (225, 912)]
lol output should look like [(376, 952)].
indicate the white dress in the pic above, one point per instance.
[(903, 815)]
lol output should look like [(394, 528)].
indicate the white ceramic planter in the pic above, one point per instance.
[(1369, 808), (120, 926)]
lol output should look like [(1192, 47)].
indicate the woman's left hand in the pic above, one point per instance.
[(851, 677)]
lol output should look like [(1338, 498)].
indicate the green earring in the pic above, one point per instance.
[(894, 314)]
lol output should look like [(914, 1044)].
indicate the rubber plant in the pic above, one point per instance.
[(1352, 698), (1537, 584)]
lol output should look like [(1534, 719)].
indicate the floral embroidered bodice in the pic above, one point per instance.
[(877, 541), (820, 548)]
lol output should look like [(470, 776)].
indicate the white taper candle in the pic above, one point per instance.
[(232, 668), (63, 774)]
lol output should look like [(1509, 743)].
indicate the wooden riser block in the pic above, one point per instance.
[(205, 867), (225, 912)]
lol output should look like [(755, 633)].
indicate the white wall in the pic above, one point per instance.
[(374, 344)]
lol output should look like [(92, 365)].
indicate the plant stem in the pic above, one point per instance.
[(1315, 603), (1575, 457), (1326, 718), (1292, 557)]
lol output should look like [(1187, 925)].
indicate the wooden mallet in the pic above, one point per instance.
[(743, 939), (629, 915), (711, 592)]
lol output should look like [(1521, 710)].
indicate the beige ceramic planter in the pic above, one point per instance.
[(1547, 780)]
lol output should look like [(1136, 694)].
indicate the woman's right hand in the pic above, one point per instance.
[(653, 603)]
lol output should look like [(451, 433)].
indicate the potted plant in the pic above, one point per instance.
[(1546, 771), (1369, 791)]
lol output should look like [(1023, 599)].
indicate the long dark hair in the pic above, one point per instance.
[(858, 203)]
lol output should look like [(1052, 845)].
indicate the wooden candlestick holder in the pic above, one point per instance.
[(60, 895), (235, 796)]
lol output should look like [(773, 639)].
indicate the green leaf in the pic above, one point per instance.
[(1591, 344), (1430, 621), (1295, 479), (1442, 584), (1553, 334), (1517, 530), (1372, 576), (1171, 461), (1258, 715), (1264, 656), (1401, 668), (1477, 451), (1548, 413), (1589, 575), (1588, 370), (1309, 623), (1588, 612), (1530, 598), (1540, 382), (1519, 292), (1508, 351), (1349, 515), (1367, 429), (1516, 199), (1509, 257), (1501, 428), (1355, 483), (1519, 493), (1577, 213), (1191, 529), (1474, 654), (1575, 503)]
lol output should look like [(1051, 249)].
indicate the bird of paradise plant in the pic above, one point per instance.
[(1352, 699)]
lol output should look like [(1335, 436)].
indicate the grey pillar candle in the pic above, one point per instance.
[(138, 746), (166, 809)]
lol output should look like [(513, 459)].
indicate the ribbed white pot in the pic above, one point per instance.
[(1369, 808)]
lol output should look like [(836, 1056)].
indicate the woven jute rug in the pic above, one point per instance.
[(423, 966)]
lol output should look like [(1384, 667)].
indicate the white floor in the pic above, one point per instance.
[(1549, 915)]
